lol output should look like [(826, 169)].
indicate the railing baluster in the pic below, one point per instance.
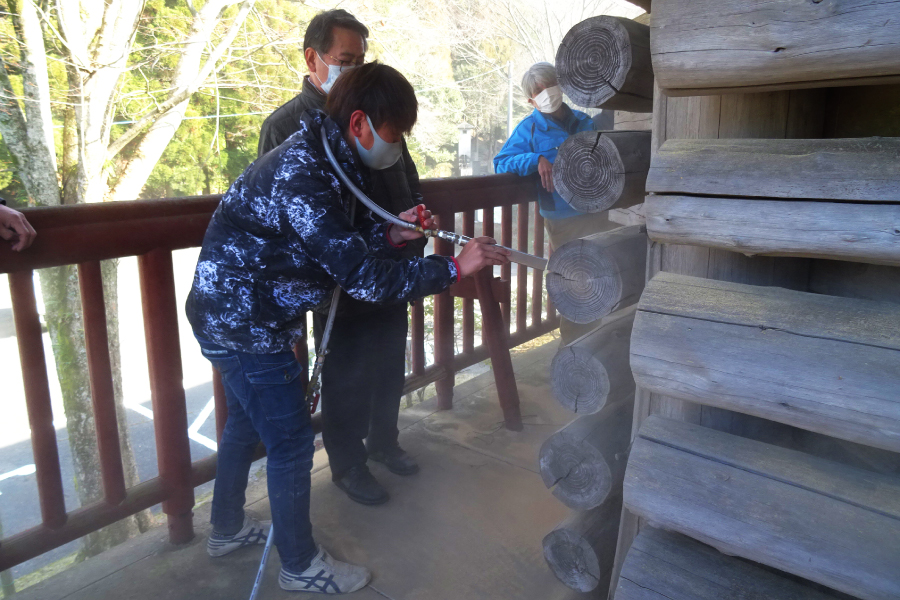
[(220, 402), (468, 304), (506, 270), (37, 399), (487, 224), (103, 397), (418, 337), (522, 270), (443, 326), (170, 423), (537, 284)]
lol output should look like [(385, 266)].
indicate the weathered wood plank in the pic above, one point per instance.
[(856, 232), (593, 276), (593, 370), (598, 170), (829, 523), (663, 565), (629, 121), (854, 169), (581, 549), (584, 462), (604, 62), (706, 46), (633, 215), (855, 280), (825, 364)]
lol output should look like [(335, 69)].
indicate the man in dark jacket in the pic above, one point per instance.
[(280, 240), (357, 405)]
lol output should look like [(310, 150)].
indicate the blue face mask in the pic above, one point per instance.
[(334, 71), (382, 155)]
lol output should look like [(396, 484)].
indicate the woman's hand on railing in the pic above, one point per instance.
[(479, 253)]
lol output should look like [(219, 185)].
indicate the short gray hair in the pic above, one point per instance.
[(541, 74)]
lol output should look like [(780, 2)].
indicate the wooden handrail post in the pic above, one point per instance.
[(443, 326), (495, 334), (167, 391), (37, 399), (103, 399)]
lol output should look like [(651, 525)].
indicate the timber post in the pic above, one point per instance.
[(170, 422)]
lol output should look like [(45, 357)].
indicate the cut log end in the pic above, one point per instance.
[(588, 172), (578, 473), (594, 64), (584, 282), (572, 559), (579, 380)]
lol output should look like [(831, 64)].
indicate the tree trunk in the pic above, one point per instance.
[(62, 301)]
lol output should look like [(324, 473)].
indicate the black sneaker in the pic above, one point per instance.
[(361, 486), (397, 460)]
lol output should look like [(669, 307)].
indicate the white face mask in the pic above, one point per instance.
[(382, 155), (334, 71), (549, 100)]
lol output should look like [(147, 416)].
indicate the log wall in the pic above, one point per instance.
[(767, 115), (710, 46)]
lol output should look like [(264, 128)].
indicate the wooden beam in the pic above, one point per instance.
[(584, 462), (825, 364), (598, 170), (823, 521), (855, 280), (591, 277), (707, 46), (587, 373), (633, 215), (581, 549), (663, 565), (853, 169), (855, 232), (604, 62)]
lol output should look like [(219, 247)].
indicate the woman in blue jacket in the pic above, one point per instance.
[(533, 146)]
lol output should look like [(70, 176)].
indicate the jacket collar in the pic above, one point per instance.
[(311, 123), (544, 123), (312, 95)]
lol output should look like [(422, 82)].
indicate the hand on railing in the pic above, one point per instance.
[(15, 228), (479, 253)]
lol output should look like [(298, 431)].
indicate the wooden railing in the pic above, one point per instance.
[(151, 230)]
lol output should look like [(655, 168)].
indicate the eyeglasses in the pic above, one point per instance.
[(343, 64)]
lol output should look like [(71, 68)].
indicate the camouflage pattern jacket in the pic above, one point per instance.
[(282, 238)]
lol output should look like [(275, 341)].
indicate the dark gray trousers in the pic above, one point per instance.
[(362, 382)]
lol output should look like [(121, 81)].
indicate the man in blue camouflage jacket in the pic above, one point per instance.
[(276, 246)]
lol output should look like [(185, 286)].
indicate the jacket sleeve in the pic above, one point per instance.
[(324, 233), (271, 135), (517, 156)]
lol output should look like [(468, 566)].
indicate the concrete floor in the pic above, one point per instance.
[(468, 526)]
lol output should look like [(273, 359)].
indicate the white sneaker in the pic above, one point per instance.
[(325, 575), (252, 533)]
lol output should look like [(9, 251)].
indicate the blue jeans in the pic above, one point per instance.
[(265, 402)]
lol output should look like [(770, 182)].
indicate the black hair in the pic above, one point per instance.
[(320, 32), (378, 90)]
